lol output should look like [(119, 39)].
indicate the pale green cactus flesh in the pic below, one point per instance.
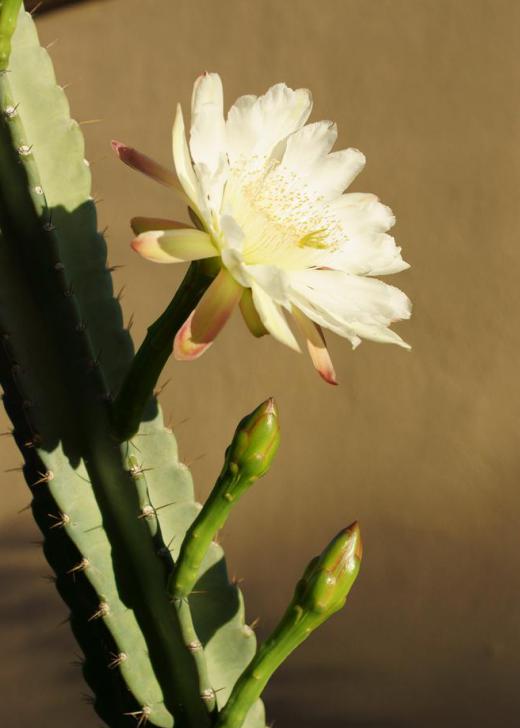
[(113, 515)]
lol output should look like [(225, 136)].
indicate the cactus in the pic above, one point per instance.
[(161, 626)]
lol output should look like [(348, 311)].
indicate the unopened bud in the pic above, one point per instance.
[(255, 443), (329, 577)]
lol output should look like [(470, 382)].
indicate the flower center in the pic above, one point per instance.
[(285, 221)]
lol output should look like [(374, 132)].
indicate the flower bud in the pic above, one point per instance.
[(329, 577), (255, 443)]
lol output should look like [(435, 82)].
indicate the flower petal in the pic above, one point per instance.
[(250, 314), (144, 224), (206, 321), (272, 317), (316, 346), (308, 146), (183, 165), (365, 215), (337, 171), (369, 255), (351, 306), (146, 165), (207, 134), (255, 125), (174, 246)]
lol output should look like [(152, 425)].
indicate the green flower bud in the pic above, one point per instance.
[(255, 443), (329, 577)]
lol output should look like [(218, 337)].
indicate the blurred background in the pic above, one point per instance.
[(421, 447)]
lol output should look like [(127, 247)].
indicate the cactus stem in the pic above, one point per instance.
[(147, 512), (155, 351)]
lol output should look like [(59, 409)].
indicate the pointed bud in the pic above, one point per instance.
[(329, 577), (255, 442)]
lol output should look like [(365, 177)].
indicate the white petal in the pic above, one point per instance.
[(369, 255), (351, 306), (365, 215), (255, 125), (309, 145), (207, 135), (183, 165), (174, 246), (337, 171), (272, 280), (272, 317)]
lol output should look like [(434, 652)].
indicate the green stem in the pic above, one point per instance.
[(155, 350), (248, 458), (294, 628), (9, 11), (322, 590), (198, 538)]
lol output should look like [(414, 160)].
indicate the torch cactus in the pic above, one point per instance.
[(160, 624)]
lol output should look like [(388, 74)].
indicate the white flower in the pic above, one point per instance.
[(269, 194)]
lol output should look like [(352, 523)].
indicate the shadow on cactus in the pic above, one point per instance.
[(136, 558)]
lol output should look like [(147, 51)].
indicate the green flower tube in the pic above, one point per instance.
[(248, 458), (320, 593)]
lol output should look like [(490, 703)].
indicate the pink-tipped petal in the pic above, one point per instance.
[(145, 224), (204, 323), (316, 346), (144, 164), (174, 245)]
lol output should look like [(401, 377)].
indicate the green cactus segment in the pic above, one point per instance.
[(55, 149), (9, 10), (322, 590), (62, 343), (93, 497), (248, 458)]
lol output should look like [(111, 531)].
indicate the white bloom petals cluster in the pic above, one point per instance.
[(269, 193)]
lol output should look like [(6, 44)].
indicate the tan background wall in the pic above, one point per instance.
[(422, 448)]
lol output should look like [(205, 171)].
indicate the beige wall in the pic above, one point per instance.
[(422, 448)]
